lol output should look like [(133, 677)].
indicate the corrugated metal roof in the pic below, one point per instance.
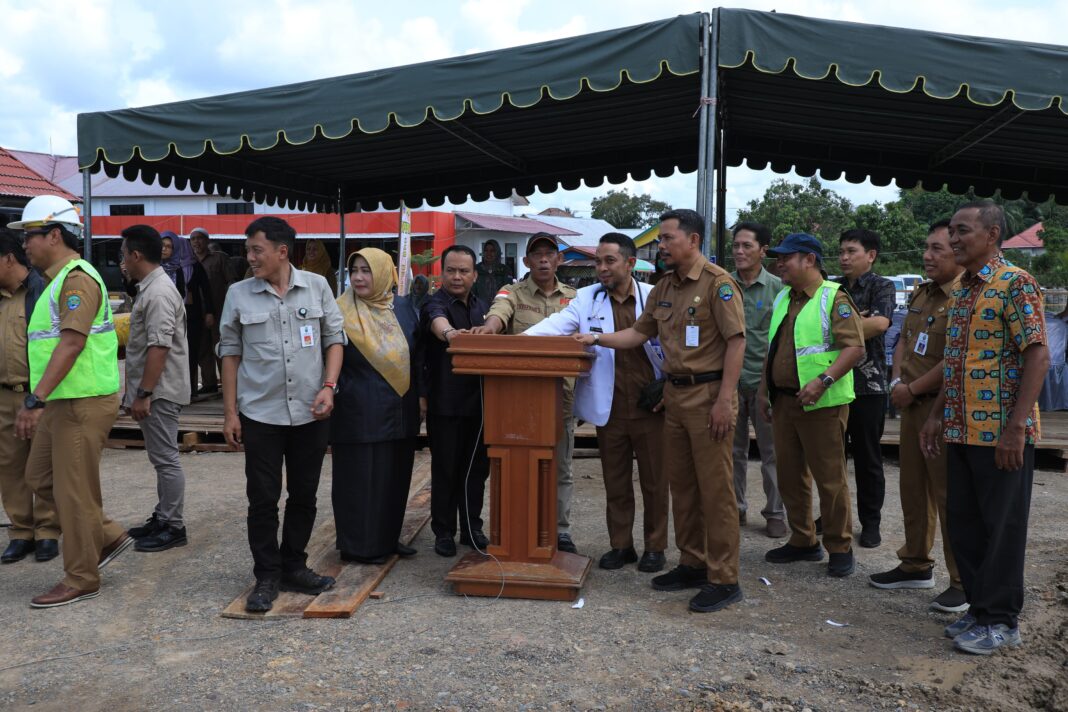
[(588, 231), (20, 181), (523, 226), (1027, 239), (63, 171)]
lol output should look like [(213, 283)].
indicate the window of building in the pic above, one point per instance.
[(234, 208), (127, 209)]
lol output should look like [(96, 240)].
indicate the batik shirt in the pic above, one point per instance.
[(995, 315), (874, 296)]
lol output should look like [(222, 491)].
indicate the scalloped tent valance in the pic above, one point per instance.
[(538, 116), (891, 104)]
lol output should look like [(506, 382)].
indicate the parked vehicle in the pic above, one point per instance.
[(901, 293)]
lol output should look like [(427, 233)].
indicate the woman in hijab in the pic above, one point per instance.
[(420, 292), (376, 412), (170, 261), (317, 260)]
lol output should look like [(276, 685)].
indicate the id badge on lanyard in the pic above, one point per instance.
[(693, 331)]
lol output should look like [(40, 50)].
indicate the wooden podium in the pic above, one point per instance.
[(523, 416)]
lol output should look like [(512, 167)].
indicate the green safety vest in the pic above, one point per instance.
[(814, 343), (96, 370)]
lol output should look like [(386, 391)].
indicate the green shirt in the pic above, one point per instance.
[(757, 301)]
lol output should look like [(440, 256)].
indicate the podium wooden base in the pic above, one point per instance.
[(558, 579)]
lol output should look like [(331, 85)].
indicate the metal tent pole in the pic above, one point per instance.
[(721, 196), (341, 241), (87, 215), (702, 140), (709, 157)]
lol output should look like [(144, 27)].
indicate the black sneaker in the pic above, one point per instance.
[(618, 558), (788, 553), (714, 596), (166, 538), (896, 578), (306, 581), (262, 597), (839, 565), (564, 543), (952, 600), (681, 577), (870, 538), (151, 526)]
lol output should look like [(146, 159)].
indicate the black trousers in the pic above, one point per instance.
[(867, 417), (302, 448), (986, 513), (455, 445)]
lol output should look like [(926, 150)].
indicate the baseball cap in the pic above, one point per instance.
[(540, 237), (798, 242)]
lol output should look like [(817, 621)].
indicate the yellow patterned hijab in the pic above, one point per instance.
[(371, 325)]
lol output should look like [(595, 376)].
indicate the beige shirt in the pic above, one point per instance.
[(158, 319), (928, 314), (14, 365), (281, 342)]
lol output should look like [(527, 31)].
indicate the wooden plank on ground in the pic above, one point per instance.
[(323, 558)]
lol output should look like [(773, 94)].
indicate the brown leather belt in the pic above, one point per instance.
[(694, 378), (18, 387)]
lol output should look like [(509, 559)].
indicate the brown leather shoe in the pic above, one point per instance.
[(777, 529), (112, 550), (61, 595)]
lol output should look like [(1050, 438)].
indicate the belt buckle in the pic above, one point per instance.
[(18, 388)]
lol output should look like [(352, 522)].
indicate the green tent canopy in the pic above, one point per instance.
[(605, 105)]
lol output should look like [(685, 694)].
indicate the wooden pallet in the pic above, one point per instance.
[(355, 582)]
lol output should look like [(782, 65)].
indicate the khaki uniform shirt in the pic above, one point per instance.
[(846, 330), (158, 319), (928, 314), (79, 297), (279, 376), (706, 298), (522, 305), (14, 365), (633, 370)]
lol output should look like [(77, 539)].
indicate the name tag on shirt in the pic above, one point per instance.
[(307, 336), (693, 335), (921, 344)]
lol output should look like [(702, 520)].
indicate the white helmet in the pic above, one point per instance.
[(49, 210)]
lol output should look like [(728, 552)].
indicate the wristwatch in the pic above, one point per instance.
[(32, 402), (895, 383), (142, 393), (826, 380), (596, 338)]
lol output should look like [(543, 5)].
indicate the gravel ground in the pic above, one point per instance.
[(154, 638)]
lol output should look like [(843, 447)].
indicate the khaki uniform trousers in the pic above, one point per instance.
[(31, 517), (64, 469), (809, 446), (923, 496), (621, 441), (700, 474)]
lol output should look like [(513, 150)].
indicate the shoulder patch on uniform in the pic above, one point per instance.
[(725, 292), (73, 302), (844, 311), (502, 293)]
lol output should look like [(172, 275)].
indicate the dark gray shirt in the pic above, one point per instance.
[(281, 342)]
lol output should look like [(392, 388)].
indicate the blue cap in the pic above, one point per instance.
[(798, 242)]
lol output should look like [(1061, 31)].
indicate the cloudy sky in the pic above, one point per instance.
[(69, 56)]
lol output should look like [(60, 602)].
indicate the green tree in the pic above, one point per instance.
[(790, 207), (1051, 267), (623, 210)]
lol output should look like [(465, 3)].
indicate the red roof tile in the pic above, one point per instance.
[(1028, 239), (17, 180), (505, 223)]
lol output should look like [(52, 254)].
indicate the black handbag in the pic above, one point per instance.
[(651, 395)]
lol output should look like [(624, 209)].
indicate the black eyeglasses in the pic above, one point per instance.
[(33, 233)]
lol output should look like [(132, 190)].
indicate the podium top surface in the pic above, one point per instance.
[(492, 354)]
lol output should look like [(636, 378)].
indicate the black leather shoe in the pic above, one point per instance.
[(405, 551), (479, 538), (445, 546), (870, 538), (681, 577), (166, 538), (306, 581), (152, 526), (373, 560), (715, 596), (262, 597), (17, 550), (788, 553), (652, 561), (839, 565), (618, 558), (46, 549), (565, 543)]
